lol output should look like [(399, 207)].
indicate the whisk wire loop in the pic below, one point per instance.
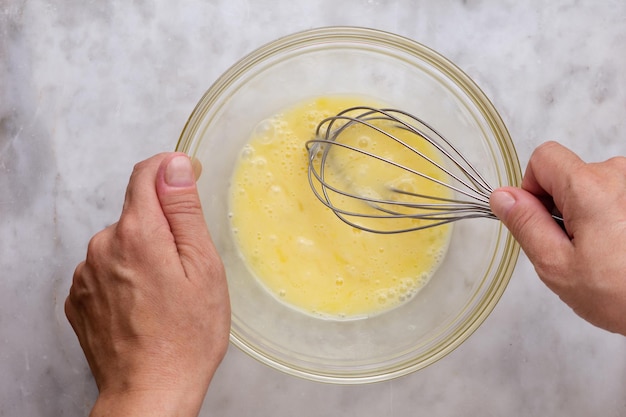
[(471, 191), (450, 152)]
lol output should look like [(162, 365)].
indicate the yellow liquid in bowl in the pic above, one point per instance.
[(302, 253)]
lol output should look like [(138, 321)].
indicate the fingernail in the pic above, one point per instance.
[(179, 172), (501, 202)]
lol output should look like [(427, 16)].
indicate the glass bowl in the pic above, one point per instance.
[(409, 76)]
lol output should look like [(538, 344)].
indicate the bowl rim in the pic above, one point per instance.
[(506, 149)]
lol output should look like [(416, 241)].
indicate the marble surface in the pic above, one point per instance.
[(89, 88)]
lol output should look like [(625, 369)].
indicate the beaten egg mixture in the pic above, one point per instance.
[(299, 249)]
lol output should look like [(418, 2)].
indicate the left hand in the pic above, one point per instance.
[(150, 303)]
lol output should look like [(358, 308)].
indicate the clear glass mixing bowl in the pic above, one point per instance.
[(409, 76)]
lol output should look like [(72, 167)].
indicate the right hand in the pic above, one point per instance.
[(585, 266)]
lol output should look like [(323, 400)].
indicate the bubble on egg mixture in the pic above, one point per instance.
[(312, 118), (247, 152), (259, 162), (265, 131), (407, 185), (304, 242), (364, 141)]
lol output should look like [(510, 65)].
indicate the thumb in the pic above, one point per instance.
[(180, 203), (531, 224)]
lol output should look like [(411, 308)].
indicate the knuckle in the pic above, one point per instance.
[(617, 163), (549, 269), (127, 228), (135, 229), (78, 271), (140, 166), (546, 148), (132, 241), (98, 244), (80, 285), (554, 270), (148, 164), (183, 205), (594, 178), (70, 311)]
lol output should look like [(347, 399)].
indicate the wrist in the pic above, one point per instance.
[(153, 403), (142, 390)]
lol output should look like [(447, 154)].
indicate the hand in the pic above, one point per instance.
[(150, 304), (585, 266)]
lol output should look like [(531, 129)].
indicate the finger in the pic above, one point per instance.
[(547, 246), (550, 171), (179, 200), (140, 192), (70, 313)]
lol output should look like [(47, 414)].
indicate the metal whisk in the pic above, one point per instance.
[(338, 151)]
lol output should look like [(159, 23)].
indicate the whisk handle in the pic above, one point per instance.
[(559, 220)]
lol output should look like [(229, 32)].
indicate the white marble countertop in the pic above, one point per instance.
[(89, 88)]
